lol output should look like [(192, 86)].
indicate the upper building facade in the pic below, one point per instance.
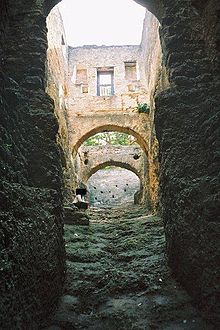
[(105, 78)]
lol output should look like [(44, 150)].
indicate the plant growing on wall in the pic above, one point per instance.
[(143, 108)]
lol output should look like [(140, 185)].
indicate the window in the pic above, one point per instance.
[(105, 82), (131, 71), (81, 76)]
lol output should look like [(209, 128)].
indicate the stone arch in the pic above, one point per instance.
[(92, 157), (117, 164), (154, 6), (140, 195), (109, 128)]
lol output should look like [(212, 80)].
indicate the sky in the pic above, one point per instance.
[(102, 22)]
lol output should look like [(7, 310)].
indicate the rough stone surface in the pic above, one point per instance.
[(114, 186), (132, 158), (57, 87), (32, 250), (74, 217), (187, 127), (114, 282)]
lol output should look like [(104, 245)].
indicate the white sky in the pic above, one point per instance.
[(102, 22)]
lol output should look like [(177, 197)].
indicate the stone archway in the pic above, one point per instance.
[(141, 164), (113, 163), (119, 182), (88, 111), (129, 157), (110, 125)]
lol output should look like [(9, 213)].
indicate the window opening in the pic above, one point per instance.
[(81, 76), (131, 71), (105, 82)]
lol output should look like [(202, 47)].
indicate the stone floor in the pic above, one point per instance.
[(117, 277)]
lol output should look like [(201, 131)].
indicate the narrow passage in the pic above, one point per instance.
[(117, 277)]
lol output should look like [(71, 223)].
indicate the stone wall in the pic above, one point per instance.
[(89, 114), (57, 71), (151, 63), (58, 88), (90, 59), (132, 158), (187, 121), (32, 251), (113, 187)]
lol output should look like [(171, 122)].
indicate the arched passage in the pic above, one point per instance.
[(134, 74), (114, 183), (154, 6), (90, 159), (114, 163), (110, 128)]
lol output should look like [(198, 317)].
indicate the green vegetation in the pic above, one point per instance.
[(8, 146), (110, 138), (143, 108)]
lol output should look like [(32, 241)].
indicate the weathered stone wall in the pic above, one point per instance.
[(57, 71), (93, 157), (90, 58), (31, 244), (187, 121), (206, 25), (57, 87), (89, 114), (132, 158), (151, 64), (150, 53), (113, 187)]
